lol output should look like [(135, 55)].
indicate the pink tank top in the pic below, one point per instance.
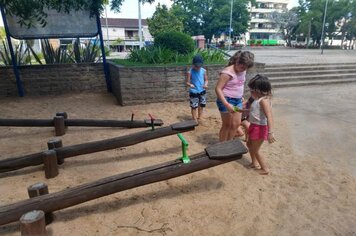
[(234, 88)]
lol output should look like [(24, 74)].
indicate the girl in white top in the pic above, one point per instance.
[(261, 121)]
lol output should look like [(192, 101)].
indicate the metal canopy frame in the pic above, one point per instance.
[(19, 83)]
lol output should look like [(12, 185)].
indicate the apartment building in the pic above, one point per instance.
[(122, 34), (261, 25)]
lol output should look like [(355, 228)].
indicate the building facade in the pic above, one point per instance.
[(261, 26), (122, 34)]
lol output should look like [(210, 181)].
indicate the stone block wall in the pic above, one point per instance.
[(139, 85), (53, 79)]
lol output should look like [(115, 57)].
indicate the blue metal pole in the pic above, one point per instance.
[(106, 68), (13, 58)]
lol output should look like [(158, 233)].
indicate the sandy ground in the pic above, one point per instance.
[(302, 196)]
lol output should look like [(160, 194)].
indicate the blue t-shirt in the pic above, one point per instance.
[(197, 79)]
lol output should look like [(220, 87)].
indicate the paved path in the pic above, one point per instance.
[(321, 121), (280, 55)]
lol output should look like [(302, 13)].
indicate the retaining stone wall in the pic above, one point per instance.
[(53, 79), (139, 85)]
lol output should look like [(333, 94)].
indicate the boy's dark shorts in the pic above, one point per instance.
[(197, 99)]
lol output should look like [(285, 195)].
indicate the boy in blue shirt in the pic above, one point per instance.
[(197, 80)]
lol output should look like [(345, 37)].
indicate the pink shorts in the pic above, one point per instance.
[(258, 132)]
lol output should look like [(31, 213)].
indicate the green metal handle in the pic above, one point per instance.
[(185, 144)]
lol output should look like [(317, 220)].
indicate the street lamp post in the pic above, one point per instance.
[(323, 28), (139, 23), (230, 25)]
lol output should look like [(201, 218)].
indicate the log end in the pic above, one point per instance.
[(184, 125), (225, 150)]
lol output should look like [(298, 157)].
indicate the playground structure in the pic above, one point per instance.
[(61, 122), (214, 155), (57, 154)]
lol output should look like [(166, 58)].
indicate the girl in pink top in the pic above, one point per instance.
[(229, 90)]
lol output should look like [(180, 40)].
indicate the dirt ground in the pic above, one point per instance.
[(302, 196)]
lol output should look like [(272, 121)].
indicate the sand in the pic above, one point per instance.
[(302, 196)]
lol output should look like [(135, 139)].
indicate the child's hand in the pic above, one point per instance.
[(192, 86), (205, 86), (271, 138)]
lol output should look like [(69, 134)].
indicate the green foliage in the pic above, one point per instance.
[(175, 41), (23, 53), (54, 55), (163, 20), (154, 55), (311, 14), (211, 17), (2, 32), (88, 53)]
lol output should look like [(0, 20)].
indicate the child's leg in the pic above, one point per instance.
[(202, 104), (246, 125), (194, 102), (254, 162), (255, 146), (195, 114), (200, 112), (239, 132)]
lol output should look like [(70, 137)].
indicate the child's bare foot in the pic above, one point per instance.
[(254, 166), (263, 172)]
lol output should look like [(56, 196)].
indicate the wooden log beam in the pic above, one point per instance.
[(80, 122), (229, 151), (112, 123), (11, 164)]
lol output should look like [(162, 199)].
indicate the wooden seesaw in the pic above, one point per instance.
[(60, 122), (51, 158), (212, 156)]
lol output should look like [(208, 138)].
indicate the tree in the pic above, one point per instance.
[(311, 14), (163, 20), (30, 11), (287, 22), (210, 17)]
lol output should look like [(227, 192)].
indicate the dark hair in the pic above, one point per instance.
[(261, 84), (243, 58)]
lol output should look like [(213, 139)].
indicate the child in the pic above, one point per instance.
[(197, 80), (229, 90), (261, 121)]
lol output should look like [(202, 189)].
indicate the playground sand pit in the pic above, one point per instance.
[(302, 196)]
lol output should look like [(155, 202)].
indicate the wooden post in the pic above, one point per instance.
[(33, 224), (50, 163), (59, 125), (65, 116), (40, 189), (56, 143)]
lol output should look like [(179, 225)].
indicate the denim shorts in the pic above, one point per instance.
[(237, 102)]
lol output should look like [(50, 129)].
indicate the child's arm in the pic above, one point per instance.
[(267, 109), (205, 80), (188, 80)]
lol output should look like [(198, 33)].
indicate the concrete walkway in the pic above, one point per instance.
[(279, 55)]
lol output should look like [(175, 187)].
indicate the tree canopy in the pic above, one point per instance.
[(211, 17), (163, 20), (339, 17)]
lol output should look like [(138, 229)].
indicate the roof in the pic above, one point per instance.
[(122, 22)]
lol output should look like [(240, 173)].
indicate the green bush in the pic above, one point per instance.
[(175, 41), (158, 56)]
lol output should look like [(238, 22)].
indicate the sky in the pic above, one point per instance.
[(129, 9)]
